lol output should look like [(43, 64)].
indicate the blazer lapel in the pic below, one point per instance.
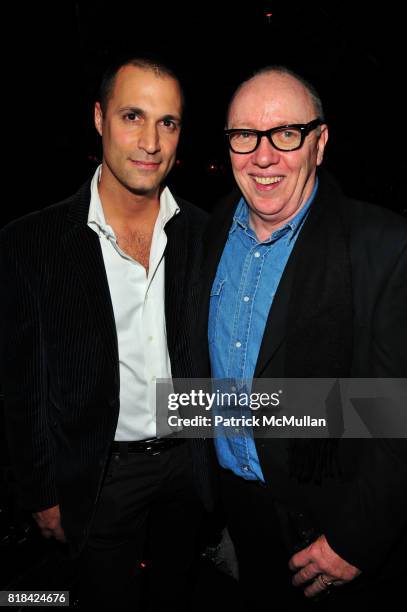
[(82, 246), (216, 235), (289, 291), (214, 240), (312, 309), (276, 325), (320, 314), (175, 270)]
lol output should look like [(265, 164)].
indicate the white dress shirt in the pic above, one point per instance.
[(138, 303)]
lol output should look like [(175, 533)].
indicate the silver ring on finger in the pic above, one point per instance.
[(324, 582)]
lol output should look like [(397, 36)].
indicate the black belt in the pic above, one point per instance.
[(153, 446)]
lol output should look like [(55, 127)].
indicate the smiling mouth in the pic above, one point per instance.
[(267, 180)]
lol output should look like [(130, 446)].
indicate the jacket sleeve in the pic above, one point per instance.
[(373, 519), (389, 332), (24, 380)]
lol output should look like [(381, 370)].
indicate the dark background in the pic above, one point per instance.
[(350, 51), (52, 62)]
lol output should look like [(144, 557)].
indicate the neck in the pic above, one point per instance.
[(122, 208), (263, 228)]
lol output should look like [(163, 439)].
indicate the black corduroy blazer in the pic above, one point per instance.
[(60, 367)]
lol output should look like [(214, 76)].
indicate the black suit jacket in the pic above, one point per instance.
[(60, 353), (314, 330)]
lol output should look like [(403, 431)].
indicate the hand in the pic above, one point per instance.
[(49, 522), (318, 559)]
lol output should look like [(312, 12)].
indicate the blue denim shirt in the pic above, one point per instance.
[(242, 294)]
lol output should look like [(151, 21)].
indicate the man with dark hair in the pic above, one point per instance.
[(96, 307), (305, 283), (155, 65)]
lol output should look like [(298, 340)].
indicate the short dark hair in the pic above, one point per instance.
[(145, 63), (279, 69)]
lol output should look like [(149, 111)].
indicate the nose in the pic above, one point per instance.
[(149, 139), (265, 155)]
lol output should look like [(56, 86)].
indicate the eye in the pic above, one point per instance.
[(170, 124), (242, 136), (131, 116), (288, 134)]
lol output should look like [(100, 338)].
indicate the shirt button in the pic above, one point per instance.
[(237, 430), (154, 378), (150, 338), (246, 298), (233, 388), (257, 254), (238, 344)]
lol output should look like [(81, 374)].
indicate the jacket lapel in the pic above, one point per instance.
[(82, 247), (276, 325), (216, 234), (289, 291), (320, 313), (312, 309), (214, 240), (175, 269)]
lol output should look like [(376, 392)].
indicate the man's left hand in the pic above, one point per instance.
[(321, 567)]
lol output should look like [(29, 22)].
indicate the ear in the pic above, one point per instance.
[(322, 140), (98, 118)]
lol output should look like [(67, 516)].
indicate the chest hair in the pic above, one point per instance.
[(137, 244)]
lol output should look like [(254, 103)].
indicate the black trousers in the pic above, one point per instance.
[(143, 539), (258, 527)]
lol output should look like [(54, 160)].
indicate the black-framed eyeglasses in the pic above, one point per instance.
[(283, 137)]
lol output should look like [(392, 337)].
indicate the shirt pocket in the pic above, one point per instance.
[(214, 308)]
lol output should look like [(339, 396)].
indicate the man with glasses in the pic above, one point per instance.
[(304, 282)]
